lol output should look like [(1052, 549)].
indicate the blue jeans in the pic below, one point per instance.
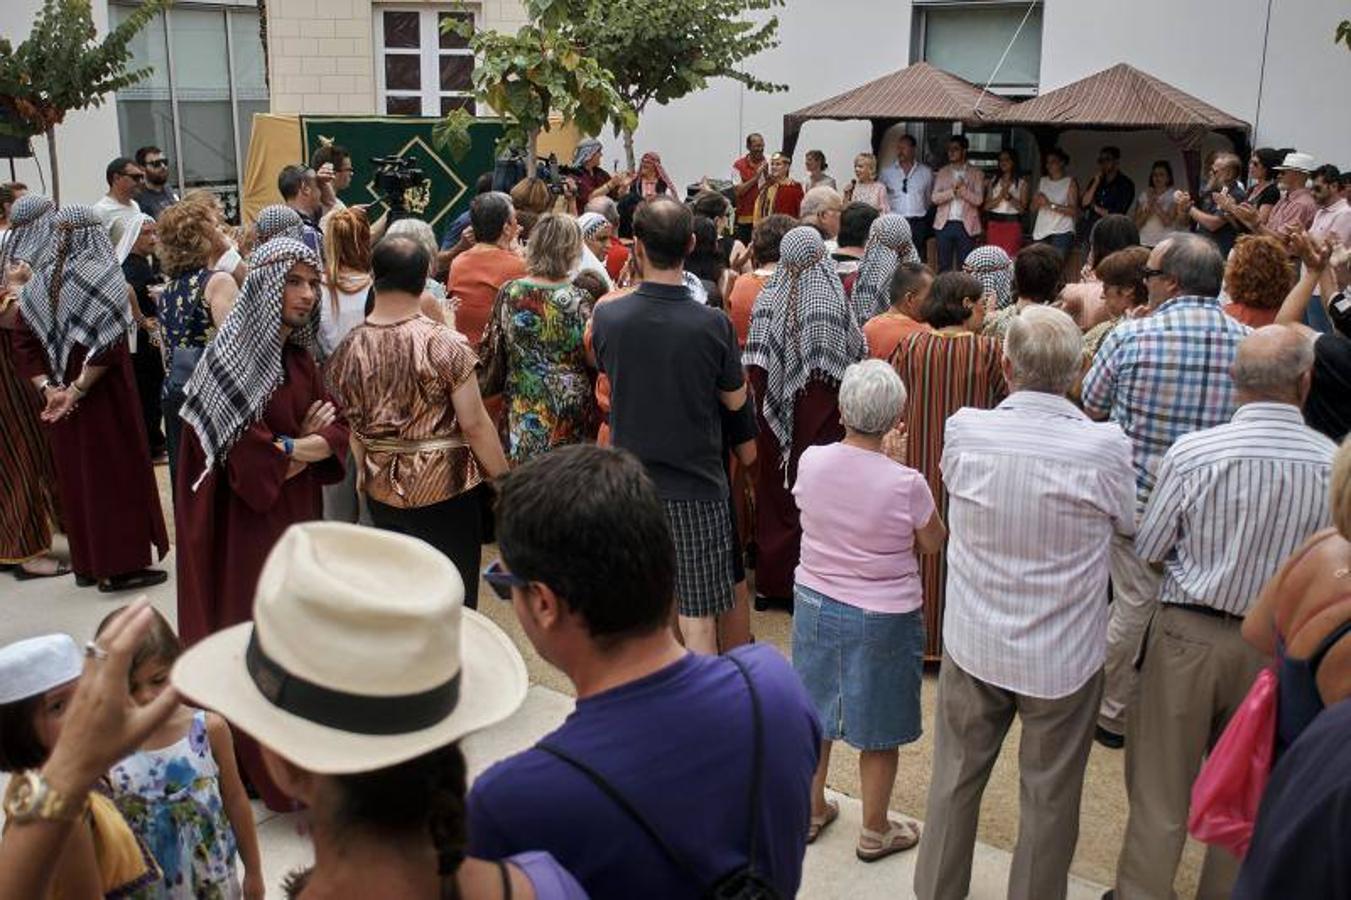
[(953, 246)]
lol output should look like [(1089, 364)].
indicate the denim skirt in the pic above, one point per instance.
[(862, 669)]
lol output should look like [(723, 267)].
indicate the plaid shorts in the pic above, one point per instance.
[(702, 530)]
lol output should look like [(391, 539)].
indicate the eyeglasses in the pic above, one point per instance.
[(502, 581), (134, 176), (1148, 273), (157, 163)]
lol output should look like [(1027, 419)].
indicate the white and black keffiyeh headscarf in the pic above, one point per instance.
[(242, 366), (31, 220), (77, 294), (277, 221), (889, 244), (801, 328), (992, 267)]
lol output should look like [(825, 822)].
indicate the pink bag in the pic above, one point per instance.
[(1226, 793)]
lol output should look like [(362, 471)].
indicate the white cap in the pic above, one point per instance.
[(35, 666)]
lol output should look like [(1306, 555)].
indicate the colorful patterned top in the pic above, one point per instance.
[(185, 316), (1164, 376), (943, 371), (550, 401), (171, 798)]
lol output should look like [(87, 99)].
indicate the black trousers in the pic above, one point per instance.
[(149, 370), (454, 526)]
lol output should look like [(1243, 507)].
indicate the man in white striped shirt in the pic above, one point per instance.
[(1230, 503), (1036, 492)]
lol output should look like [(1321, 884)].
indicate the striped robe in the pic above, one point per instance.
[(28, 498), (943, 371)]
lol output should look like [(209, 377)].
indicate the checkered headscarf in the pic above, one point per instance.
[(889, 244), (801, 327), (77, 294), (994, 270), (242, 366), (277, 221), (591, 223), (30, 232)]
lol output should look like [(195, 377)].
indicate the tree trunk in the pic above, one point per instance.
[(51, 159), (532, 148), (628, 150)]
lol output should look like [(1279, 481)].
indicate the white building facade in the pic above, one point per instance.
[(1272, 63)]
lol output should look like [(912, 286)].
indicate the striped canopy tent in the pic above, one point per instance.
[(917, 93), (1123, 98)]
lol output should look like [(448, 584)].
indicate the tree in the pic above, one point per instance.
[(523, 76), (1344, 33), (62, 66), (658, 50)]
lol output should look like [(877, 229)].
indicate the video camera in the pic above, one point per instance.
[(552, 173), (394, 175)]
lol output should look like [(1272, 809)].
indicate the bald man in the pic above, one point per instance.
[(1230, 503)]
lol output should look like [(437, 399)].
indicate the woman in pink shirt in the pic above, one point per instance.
[(858, 635)]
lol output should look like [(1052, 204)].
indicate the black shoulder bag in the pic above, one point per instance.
[(743, 882)]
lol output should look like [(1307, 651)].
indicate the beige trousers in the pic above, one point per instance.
[(970, 722), (1197, 669), (1135, 593)]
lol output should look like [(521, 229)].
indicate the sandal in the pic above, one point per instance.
[(898, 836), (133, 581), (26, 575), (821, 822)]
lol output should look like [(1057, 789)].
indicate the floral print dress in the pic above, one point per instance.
[(171, 798), (550, 400)]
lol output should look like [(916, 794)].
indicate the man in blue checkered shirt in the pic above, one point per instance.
[(1158, 377)]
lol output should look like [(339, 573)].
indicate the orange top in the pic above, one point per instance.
[(476, 275), (602, 380), (742, 301), (884, 332)]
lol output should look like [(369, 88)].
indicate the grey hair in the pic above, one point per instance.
[(554, 247), (1271, 361), (1045, 349), (818, 199), (606, 207), (872, 397), (1195, 262), (417, 230)]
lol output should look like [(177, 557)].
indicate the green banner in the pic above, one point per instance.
[(447, 183)]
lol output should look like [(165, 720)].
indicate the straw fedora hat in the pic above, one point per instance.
[(360, 655), (1297, 162)]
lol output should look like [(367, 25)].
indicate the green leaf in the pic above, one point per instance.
[(452, 133)]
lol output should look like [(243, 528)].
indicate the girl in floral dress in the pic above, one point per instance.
[(181, 792)]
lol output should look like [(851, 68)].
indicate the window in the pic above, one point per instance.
[(969, 38), (422, 70), (197, 105)]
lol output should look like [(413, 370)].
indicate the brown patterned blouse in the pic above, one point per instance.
[(394, 383)]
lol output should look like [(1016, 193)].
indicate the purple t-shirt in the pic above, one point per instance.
[(678, 745), (860, 511)]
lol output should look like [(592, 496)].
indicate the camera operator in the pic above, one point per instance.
[(333, 170)]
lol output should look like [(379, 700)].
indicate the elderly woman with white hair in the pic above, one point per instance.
[(858, 635)]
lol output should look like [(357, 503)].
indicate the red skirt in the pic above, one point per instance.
[(1005, 235)]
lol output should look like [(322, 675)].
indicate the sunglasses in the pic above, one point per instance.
[(502, 581), (157, 163), (134, 176), (1148, 273)]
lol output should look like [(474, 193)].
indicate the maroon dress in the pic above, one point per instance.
[(109, 499), (229, 524), (778, 530)]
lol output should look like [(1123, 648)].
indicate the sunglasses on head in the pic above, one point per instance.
[(502, 581)]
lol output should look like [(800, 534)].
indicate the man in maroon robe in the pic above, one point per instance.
[(71, 343), (260, 438)]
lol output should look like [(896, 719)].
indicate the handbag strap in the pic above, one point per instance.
[(623, 802)]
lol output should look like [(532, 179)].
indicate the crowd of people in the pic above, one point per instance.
[(1101, 507)]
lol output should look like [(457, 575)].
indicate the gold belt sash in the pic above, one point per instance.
[(398, 447)]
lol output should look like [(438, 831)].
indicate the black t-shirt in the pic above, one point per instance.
[(1328, 408), (1225, 236), (668, 356), (1299, 846)]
